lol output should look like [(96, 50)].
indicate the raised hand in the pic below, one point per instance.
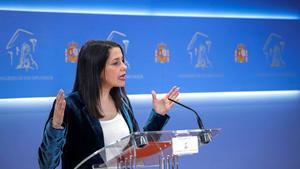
[(59, 110), (162, 106)]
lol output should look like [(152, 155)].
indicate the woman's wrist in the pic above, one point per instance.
[(56, 125)]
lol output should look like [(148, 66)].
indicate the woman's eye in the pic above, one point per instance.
[(116, 63)]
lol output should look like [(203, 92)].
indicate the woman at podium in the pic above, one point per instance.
[(97, 112)]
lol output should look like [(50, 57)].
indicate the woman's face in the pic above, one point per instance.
[(115, 70)]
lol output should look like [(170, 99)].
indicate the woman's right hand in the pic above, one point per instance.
[(59, 110)]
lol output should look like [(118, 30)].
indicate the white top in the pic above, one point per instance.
[(114, 130)]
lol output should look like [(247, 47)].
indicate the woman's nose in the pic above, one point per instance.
[(124, 65)]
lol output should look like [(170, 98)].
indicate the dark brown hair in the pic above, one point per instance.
[(91, 62)]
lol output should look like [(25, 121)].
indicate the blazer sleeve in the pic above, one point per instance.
[(156, 122), (52, 144)]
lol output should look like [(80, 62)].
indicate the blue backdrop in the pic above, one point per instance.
[(38, 52)]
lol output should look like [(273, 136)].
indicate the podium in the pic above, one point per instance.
[(154, 149)]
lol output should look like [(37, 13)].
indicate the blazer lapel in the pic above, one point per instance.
[(127, 118), (95, 125)]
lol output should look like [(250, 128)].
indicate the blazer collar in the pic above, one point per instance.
[(94, 122)]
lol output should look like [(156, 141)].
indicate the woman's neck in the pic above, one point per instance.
[(104, 93), (107, 104)]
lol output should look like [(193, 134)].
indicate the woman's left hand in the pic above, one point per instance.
[(162, 106)]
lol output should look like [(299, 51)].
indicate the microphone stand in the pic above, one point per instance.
[(205, 137)]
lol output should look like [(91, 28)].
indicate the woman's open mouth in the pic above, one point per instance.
[(122, 77)]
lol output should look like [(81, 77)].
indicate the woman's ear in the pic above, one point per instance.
[(102, 74)]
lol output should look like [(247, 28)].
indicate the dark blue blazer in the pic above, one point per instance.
[(82, 134)]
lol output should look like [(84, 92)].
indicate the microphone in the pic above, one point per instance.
[(204, 137)]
